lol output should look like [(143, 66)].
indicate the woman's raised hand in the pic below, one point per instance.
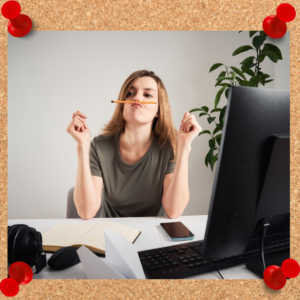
[(79, 129)]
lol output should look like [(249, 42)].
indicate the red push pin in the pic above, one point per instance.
[(275, 277), (19, 273), (18, 24), (275, 25), (290, 268)]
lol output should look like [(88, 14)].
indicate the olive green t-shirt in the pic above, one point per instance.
[(130, 190)]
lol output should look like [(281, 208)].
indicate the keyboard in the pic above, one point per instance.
[(184, 260)]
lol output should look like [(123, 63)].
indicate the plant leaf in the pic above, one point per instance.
[(202, 114), (273, 57), (218, 140), (247, 83), (218, 136), (258, 41), (240, 31), (248, 61), (204, 132), (196, 109), (210, 119), (242, 49), (216, 110), (233, 74), (251, 33), (215, 66), (211, 143), (209, 157), (238, 71), (222, 116), (269, 80), (218, 96), (222, 78), (263, 33), (222, 74), (218, 128), (261, 58), (274, 49), (205, 108), (226, 93), (215, 158), (256, 79), (247, 71)]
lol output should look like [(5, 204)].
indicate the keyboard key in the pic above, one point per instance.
[(199, 258), (187, 256), (192, 259), (185, 261), (167, 265), (181, 258), (198, 264), (191, 265), (156, 256), (163, 261), (197, 248), (159, 266), (170, 260), (171, 250), (156, 263), (174, 263), (142, 257), (149, 256), (152, 268), (180, 252), (152, 259), (183, 248), (147, 263), (270, 247), (205, 262), (215, 260), (194, 255)]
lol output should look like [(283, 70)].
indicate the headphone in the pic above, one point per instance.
[(25, 244)]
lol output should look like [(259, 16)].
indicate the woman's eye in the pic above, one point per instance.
[(145, 94)]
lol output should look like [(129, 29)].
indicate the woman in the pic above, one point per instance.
[(140, 159)]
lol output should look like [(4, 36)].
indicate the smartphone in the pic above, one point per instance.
[(176, 231)]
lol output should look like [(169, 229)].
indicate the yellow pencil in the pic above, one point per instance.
[(144, 102)]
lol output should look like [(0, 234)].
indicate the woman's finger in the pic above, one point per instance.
[(82, 120), (78, 123), (78, 113)]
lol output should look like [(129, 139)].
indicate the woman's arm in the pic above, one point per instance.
[(176, 196), (87, 200)]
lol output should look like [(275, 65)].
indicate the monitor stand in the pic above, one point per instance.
[(275, 259)]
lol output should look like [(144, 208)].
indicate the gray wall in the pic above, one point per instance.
[(53, 74)]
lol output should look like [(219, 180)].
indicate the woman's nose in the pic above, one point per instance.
[(138, 97)]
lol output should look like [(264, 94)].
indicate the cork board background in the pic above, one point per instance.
[(152, 15)]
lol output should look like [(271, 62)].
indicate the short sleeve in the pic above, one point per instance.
[(94, 160), (171, 165)]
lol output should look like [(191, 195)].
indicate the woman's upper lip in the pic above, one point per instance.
[(137, 104)]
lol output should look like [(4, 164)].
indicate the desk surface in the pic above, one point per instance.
[(152, 236)]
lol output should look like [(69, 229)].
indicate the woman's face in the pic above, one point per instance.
[(143, 89)]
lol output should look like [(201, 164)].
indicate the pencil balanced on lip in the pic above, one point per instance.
[(144, 102)]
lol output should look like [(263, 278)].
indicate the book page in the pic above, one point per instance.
[(95, 237), (64, 234)]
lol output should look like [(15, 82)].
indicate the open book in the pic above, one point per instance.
[(91, 236)]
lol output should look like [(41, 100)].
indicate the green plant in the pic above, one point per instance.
[(236, 77)]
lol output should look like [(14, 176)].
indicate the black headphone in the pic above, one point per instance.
[(25, 244)]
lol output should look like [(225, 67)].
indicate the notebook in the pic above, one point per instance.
[(89, 235)]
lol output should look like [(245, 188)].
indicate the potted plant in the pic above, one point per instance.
[(233, 76)]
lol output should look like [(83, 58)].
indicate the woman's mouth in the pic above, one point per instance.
[(136, 105)]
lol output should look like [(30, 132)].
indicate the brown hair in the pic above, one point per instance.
[(162, 126)]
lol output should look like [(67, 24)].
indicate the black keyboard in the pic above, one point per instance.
[(185, 260)]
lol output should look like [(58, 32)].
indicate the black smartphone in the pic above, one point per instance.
[(176, 231)]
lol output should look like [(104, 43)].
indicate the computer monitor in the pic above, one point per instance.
[(252, 175)]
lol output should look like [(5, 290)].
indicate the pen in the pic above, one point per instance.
[(144, 102)]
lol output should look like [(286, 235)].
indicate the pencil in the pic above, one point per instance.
[(144, 102)]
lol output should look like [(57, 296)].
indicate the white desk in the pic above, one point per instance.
[(152, 236)]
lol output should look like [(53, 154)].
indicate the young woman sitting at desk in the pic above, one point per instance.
[(140, 162)]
